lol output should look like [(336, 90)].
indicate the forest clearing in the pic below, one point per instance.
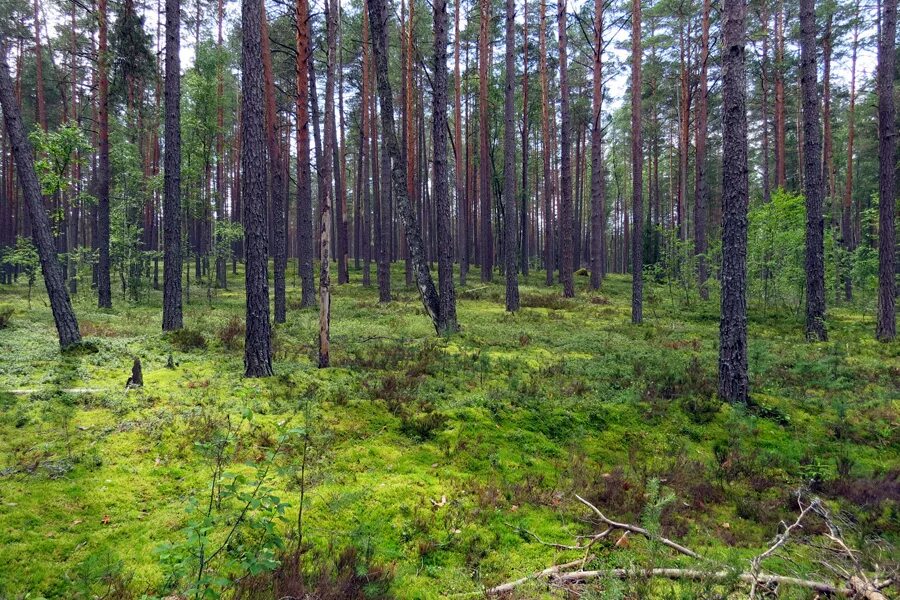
[(326, 300)]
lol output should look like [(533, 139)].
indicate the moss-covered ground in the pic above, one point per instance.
[(432, 456)]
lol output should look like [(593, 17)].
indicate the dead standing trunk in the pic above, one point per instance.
[(326, 196), (60, 305)]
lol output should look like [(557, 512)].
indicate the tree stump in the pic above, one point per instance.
[(137, 377)]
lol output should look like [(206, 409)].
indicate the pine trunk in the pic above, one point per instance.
[(486, 246), (304, 177), (257, 345), (598, 208), (172, 315), (566, 218), (812, 152), (60, 305), (637, 171), (509, 164), (733, 381), (886, 327), (104, 290)]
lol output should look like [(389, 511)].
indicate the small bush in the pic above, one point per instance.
[(6, 313), (187, 339), (549, 301), (231, 335)]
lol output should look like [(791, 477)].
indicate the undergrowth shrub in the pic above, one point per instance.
[(232, 334), (6, 313), (187, 339), (549, 301)]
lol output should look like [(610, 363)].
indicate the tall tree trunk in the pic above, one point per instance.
[(304, 179), (598, 207), (827, 151), (39, 70), (221, 273), (886, 327), (378, 19), (461, 204), (780, 158), (701, 192), (684, 113), (104, 290), (764, 105), (545, 140), (637, 171), (277, 186), (383, 209), (364, 246), (410, 129), (258, 344), (60, 305), (815, 234), (340, 166), (733, 380), (566, 217), (523, 216), (509, 164), (328, 175), (484, 160), (447, 294), (172, 317), (847, 237)]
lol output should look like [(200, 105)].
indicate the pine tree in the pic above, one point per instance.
[(509, 164), (886, 327)]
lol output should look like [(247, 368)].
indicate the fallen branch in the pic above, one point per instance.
[(700, 575), (641, 531), (545, 574)]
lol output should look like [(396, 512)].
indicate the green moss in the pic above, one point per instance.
[(431, 453)]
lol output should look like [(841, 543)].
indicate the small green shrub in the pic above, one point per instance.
[(187, 339), (232, 333), (6, 313)]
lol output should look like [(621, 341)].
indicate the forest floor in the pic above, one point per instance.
[(428, 458)]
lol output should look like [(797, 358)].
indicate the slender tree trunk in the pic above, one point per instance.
[(172, 318), (365, 125), (39, 70), (383, 210), (701, 193), (257, 346), (847, 236), (461, 204), (410, 130), (684, 113), (221, 273), (780, 168), (764, 105), (886, 327), (328, 168), (827, 151), (484, 60), (277, 185), (447, 296), (104, 290), (545, 139), (378, 19), (509, 164), (304, 179), (340, 167), (566, 217), (523, 216), (637, 171), (598, 208), (60, 305), (733, 380), (815, 244)]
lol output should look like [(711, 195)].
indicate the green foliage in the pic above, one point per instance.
[(24, 258), (187, 339), (6, 313), (55, 152)]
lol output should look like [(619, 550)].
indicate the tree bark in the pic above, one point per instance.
[(378, 19), (566, 218), (847, 237), (462, 239), (257, 346), (104, 290), (780, 168), (304, 177), (523, 216), (701, 193), (172, 312), (60, 305), (637, 171), (326, 198), (886, 327), (598, 208), (545, 139), (484, 160), (509, 164), (447, 294), (812, 152), (733, 381)]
